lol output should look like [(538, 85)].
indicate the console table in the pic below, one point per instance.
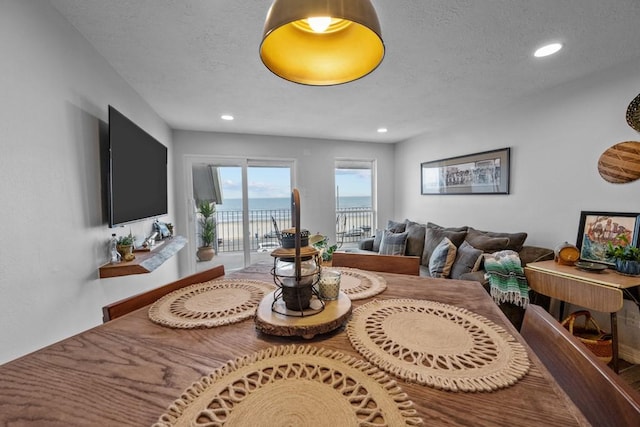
[(145, 261), (599, 291)]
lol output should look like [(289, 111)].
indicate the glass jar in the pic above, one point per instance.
[(329, 284), (286, 271)]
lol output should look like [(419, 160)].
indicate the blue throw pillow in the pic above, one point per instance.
[(393, 243), (442, 259)]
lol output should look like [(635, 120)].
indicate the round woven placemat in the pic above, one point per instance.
[(438, 345), (293, 386), (209, 304), (360, 284)]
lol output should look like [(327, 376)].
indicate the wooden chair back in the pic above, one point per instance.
[(375, 262), (127, 305), (603, 397)]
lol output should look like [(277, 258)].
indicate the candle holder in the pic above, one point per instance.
[(329, 287), (296, 291), (296, 270)]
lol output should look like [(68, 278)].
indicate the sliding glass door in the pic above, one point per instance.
[(252, 200), (269, 196)]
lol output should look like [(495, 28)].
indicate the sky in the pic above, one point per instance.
[(266, 182)]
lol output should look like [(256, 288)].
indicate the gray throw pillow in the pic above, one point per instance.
[(393, 243), (415, 238), (395, 226), (377, 240), (434, 236), (442, 259), (468, 259), (516, 240), (485, 242), (432, 225)]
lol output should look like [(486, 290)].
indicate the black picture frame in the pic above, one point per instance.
[(486, 172), (597, 229)]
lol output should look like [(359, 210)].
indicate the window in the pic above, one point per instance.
[(355, 200)]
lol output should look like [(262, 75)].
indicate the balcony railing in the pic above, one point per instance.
[(354, 226)]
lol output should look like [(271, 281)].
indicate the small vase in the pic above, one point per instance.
[(205, 253), (123, 250), (627, 267)]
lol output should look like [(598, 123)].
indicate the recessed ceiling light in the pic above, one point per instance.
[(547, 50), (226, 117), (382, 130)]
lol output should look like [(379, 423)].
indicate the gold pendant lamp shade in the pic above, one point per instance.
[(321, 42)]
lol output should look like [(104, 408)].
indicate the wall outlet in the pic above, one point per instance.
[(632, 317)]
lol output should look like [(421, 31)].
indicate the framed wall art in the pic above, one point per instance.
[(480, 173), (597, 229)]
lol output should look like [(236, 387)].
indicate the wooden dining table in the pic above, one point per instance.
[(129, 370)]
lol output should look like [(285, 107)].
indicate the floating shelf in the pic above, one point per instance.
[(146, 261)]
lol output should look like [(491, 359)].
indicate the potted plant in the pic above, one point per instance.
[(207, 234), (625, 256), (124, 245), (321, 243)]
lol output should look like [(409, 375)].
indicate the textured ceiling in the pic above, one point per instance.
[(446, 61)]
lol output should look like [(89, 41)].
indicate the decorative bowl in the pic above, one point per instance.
[(590, 266)]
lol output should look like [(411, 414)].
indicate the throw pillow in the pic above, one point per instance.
[(442, 259), (377, 239), (485, 242), (468, 259), (432, 225), (434, 236), (396, 227), (415, 238), (393, 243), (516, 240)]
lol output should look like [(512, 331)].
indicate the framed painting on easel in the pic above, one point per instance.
[(598, 229)]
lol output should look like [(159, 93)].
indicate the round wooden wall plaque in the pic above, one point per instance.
[(620, 163)]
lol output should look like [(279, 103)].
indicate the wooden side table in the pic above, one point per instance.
[(599, 291)]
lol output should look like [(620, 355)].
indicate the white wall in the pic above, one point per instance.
[(556, 139), (314, 172), (55, 90)]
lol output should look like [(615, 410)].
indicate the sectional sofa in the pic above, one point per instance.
[(412, 238), (455, 252)]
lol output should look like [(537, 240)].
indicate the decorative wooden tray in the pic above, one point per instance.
[(335, 313)]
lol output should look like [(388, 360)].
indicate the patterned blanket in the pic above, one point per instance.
[(506, 278)]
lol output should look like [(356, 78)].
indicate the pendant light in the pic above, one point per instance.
[(321, 42)]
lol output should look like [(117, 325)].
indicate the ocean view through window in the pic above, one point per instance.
[(281, 203), (254, 203), (264, 210)]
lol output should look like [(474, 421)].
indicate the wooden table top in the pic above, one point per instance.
[(607, 277), (127, 371)]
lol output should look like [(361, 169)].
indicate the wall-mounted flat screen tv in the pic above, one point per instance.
[(137, 173)]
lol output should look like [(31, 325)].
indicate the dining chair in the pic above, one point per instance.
[(376, 262), (127, 305), (341, 229), (600, 394), (277, 230)]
